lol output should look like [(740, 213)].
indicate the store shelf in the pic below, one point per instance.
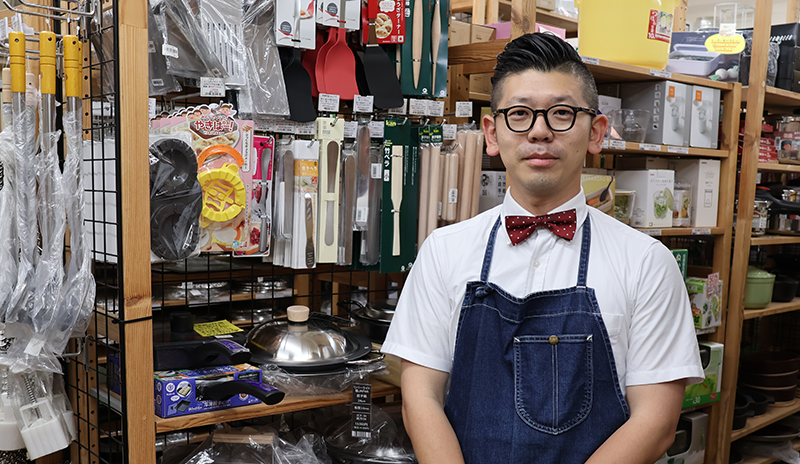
[(542, 16), (482, 57), (767, 460), (203, 298), (777, 100), (683, 231), (633, 148), (775, 240), (776, 167), (293, 404), (773, 414), (772, 309)]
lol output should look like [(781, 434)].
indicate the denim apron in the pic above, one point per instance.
[(533, 378)]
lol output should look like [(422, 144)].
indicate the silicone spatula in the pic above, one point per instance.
[(381, 76), (340, 64), (322, 57), (298, 82)]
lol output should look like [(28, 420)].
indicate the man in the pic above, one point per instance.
[(566, 341)]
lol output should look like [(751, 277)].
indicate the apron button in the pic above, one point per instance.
[(553, 339)]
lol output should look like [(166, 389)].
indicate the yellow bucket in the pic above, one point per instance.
[(636, 32)]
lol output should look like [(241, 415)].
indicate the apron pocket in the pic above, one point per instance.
[(553, 380)]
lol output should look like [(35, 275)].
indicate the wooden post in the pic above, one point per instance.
[(523, 17), (478, 11), (741, 254), (137, 336), (679, 20), (792, 11), (493, 11)]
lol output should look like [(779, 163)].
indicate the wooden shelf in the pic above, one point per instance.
[(776, 167), (542, 16), (775, 240), (290, 404), (772, 309), (683, 231), (203, 298), (633, 148), (777, 100), (767, 460), (773, 414)]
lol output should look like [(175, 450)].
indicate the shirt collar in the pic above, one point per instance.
[(510, 207)]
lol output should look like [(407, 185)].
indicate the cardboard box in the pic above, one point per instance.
[(704, 129), (503, 30), (669, 105), (706, 301), (481, 83), (460, 33), (682, 258), (606, 103), (176, 391), (642, 162), (492, 190), (480, 33), (652, 205), (599, 161), (704, 175), (695, 425), (549, 5), (688, 55), (593, 187), (708, 390)]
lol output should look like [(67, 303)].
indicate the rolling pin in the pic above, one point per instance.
[(476, 174), (424, 191), (452, 188), (434, 189)]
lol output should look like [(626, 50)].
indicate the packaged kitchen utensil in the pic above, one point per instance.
[(682, 205), (265, 81), (304, 226), (330, 133), (259, 193), (705, 296), (8, 228), (186, 47), (347, 208), (221, 23), (416, 50), (385, 441), (323, 382), (161, 83)]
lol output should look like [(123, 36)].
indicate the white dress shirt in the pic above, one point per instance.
[(639, 289)]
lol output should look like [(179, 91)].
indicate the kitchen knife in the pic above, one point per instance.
[(330, 197), (363, 181), (436, 38), (416, 42), (397, 194), (309, 202)]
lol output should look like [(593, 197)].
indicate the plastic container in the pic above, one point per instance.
[(758, 291), (623, 205), (631, 125), (682, 205), (636, 32)]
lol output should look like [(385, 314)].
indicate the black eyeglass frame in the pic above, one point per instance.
[(575, 109)]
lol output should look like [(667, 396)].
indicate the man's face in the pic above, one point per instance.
[(543, 166)]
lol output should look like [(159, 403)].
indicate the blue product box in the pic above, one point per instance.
[(176, 392)]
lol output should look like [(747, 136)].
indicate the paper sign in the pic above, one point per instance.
[(435, 108), (713, 283), (350, 129), (362, 411), (363, 104), (328, 103), (604, 143), (285, 127), (151, 107), (212, 87), (305, 128), (417, 107), (449, 131), (649, 147), (400, 109), (616, 144), (679, 150), (701, 231), (211, 329), (589, 60), (170, 51), (375, 170), (376, 129), (464, 109)]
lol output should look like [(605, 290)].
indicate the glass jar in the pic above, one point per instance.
[(760, 215), (682, 205)]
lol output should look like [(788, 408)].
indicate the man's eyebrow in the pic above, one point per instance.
[(525, 100)]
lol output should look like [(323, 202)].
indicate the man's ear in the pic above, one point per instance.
[(598, 131), (490, 133)]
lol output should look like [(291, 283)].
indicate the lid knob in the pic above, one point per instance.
[(297, 313)]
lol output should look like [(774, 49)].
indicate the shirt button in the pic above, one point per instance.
[(553, 339), (536, 263)]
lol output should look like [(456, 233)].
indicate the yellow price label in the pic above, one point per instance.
[(727, 45), (212, 329)]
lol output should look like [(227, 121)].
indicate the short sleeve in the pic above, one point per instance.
[(663, 345), (420, 329)]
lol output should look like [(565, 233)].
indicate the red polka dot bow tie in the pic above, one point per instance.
[(521, 227)]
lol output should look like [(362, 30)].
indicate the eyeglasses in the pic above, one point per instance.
[(559, 118)]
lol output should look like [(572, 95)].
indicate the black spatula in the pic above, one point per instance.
[(298, 82), (380, 71)]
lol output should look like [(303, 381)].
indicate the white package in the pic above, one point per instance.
[(652, 205), (705, 117), (669, 106), (704, 175)]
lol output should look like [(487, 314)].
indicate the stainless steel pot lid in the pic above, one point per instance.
[(381, 309), (300, 342)]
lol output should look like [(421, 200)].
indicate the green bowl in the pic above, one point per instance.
[(758, 291)]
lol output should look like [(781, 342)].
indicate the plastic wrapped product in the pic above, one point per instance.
[(161, 83), (186, 48), (386, 440), (264, 73), (221, 23)]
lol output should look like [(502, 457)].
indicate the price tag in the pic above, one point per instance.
[(604, 143), (328, 103), (616, 144), (679, 150), (400, 109), (376, 129), (212, 87), (151, 107), (435, 108), (701, 231), (417, 107), (590, 60), (210, 329), (649, 147), (651, 232), (375, 170), (305, 128), (285, 127), (350, 129), (170, 51), (266, 125), (361, 425), (363, 104), (449, 131), (452, 196), (362, 214), (464, 109), (658, 73)]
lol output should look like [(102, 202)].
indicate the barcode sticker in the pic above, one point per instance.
[(649, 147), (170, 51), (417, 107), (616, 144), (328, 103), (350, 129), (362, 214), (449, 131), (679, 150), (375, 170), (659, 73), (452, 196), (376, 129), (464, 109), (212, 87), (362, 411), (590, 60)]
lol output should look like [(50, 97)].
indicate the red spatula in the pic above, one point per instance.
[(340, 64), (322, 57)]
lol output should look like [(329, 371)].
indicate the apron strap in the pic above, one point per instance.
[(585, 246), (487, 255)]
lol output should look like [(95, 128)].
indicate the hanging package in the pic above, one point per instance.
[(264, 73), (185, 46), (161, 83)]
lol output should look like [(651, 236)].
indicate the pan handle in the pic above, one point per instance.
[(366, 361), (347, 305)]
